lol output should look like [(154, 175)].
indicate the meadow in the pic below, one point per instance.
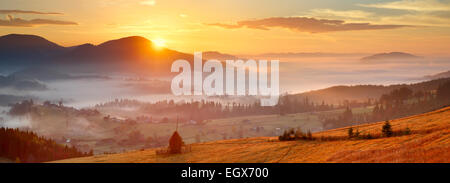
[(428, 142)]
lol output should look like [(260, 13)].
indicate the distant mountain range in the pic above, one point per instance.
[(390, 56), (126, 53), (306, 55), (129, 53)]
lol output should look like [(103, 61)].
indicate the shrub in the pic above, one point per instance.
[(281, 138), (367, 136), (407, 131), (357, 133), (293, 134)]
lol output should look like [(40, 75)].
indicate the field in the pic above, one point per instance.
[(428, 142), (214, 130), (91, 131)]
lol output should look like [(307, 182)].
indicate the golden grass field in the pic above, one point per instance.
[(428, 142)]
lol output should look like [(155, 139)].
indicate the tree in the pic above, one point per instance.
[(387, 129), (443, 92), (299, 134), (350, 132), (309, 135)]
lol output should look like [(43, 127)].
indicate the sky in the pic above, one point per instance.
[(240, 27)]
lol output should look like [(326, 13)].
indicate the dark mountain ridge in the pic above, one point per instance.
[(129, 53), (27, 48)]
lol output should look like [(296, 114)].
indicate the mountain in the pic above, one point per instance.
[(338, 94), (27, 49), (427, 141), (219, 56), (390, 56), (129, 53), (124, 48), (307, 55), (438, 75)]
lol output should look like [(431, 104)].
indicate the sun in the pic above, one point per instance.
[(159, 42)]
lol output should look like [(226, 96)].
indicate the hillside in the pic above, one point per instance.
[(28, 147), (27, 49), (429, 141), (438, 75), (337, 94)]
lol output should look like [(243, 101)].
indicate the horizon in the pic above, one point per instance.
[(418, 27), (162, 44), (312, 70)]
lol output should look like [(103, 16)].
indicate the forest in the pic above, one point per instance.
[(28, 147)]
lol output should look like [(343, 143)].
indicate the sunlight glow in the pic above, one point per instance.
[(159, 42)]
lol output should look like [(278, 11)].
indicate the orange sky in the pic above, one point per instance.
[(250, 27)]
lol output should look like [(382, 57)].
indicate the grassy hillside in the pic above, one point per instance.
[(429, 141), (338, 94)]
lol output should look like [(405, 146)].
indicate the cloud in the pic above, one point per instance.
[(348, 14), (305, 24), (417, 12), (148, 2), (28, 12), (421, 19), (18, 22), (412, 5)]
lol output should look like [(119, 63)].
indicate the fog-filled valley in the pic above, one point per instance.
[(124, 104)]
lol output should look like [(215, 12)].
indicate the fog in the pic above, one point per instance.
[(13, 121), (75, 90), (296, 75), (307, 74)]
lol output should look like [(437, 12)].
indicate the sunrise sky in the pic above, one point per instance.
[(240, 27)]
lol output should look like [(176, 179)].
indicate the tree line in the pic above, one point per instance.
[(27, 147), (398, 103), (206, 110)]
